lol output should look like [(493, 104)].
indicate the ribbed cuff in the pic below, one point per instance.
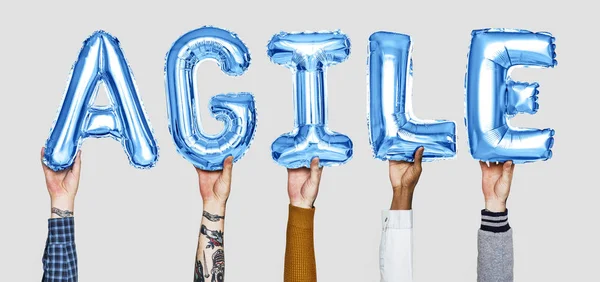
[(301, 217), (496, 222), (61, 230)]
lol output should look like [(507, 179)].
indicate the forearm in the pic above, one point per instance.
[(300, 264), (495, 248), (210, 256)]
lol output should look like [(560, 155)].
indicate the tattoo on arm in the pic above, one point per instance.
[(212, 217), (204, 256), (199, 272), (218, 268), (217, 272), (215, 242), (215, 237), (62, 213)]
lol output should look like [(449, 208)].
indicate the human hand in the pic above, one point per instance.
[(62, 186), (216, 185), (303, 184), (404, 177), (496, 182)]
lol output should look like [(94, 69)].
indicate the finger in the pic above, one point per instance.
[(315, 170), (76, 168), (419, 157), (398, 164), (44, 167), (507, 170), (486, 165), (483, 165), (227, 169), (42, 155)]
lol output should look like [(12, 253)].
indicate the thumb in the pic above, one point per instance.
[(507, 171), (45, 168), (419, 157), (227, 169), (315, 171), (77, 164)]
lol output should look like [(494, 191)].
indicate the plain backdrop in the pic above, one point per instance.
[(142, 225)]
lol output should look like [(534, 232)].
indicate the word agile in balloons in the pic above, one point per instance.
[(492, 98)]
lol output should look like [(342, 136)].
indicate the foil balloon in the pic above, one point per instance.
[(492, 97), (395, 133), (101, 61), (236, 111), (308, 55)]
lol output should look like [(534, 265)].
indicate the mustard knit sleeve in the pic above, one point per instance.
[(300, 265)]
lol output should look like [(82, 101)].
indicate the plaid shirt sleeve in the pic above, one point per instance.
[(60, 257)]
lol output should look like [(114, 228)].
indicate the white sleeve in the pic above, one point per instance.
[(395, 250)]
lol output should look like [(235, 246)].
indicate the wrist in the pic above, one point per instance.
[(302, 204), (214, 206), (65, 204), (402, 200), (495, 206)]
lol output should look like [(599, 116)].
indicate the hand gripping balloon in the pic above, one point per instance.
[(101, 60), (236, 111), (395, 133), (492, 97), (308, 55)]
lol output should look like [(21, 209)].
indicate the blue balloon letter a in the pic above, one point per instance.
[(395, 133), (101, 60)]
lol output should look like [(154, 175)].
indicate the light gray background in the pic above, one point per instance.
[(142, 225)]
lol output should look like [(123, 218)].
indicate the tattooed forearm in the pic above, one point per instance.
[(218, 268), (215, 237), (62, 213), (212, 217), (211, 244)]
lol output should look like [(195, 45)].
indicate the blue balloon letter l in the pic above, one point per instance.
[(395, 132)]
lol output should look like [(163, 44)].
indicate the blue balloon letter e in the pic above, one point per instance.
[(124, 119), (492, 97)]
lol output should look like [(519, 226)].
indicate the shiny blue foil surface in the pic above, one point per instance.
[(308, 55), (492, 97), (236, 110), (395, 133), (124, 119)]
